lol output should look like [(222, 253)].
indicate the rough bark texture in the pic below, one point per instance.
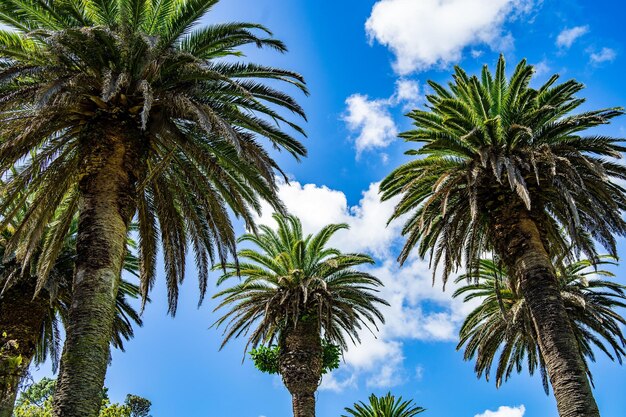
[(106, 208), (520, 246), (21, 318), (300, 365)]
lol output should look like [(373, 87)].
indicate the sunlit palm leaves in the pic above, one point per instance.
[(387, 406), (490, 142), (289, 277), (72, 72), (500, 333)]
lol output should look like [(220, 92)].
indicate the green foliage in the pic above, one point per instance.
[(36, 401), (387, 406), (146, 74), (290, 277), (492, 145), (265, 358), (139, 406), (500, 330)]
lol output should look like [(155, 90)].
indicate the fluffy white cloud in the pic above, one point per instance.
[(603, 55), (504, 411), (567, 37), (407, 92), (372, 120), (428, 33), (379, 358)]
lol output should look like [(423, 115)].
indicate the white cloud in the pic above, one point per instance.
[(407, 92), (379, 358), (427, 33), (476, 53), (504, 411), (604, 55), (567, 37), (372, 120)]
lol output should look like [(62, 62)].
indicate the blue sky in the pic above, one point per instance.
[(366, 63)]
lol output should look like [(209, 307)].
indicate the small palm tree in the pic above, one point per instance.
[(387, 406), (124, 108), (297, 291), (505, 168), (502, 324), (29, 319)]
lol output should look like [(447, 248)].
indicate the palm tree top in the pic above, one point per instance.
[(499, 332), (79, 76), (494, 145), (290, 277), (387, 406)]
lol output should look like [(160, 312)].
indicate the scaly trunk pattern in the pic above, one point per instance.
[(520, 246), (22, 319), (106, 209), (300, 364)]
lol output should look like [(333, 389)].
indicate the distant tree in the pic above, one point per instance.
[(387, 406), (295, 291), (36, 401), (500, 330)]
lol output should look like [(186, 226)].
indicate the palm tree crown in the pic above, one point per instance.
[(82, 80), (387, 406), (490, 143), (294, 278), (502, 325)]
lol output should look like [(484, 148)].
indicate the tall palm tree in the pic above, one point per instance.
[(502, 325), (387, 406), (123, 108), (295, 292), (503, 168), (29, 321)]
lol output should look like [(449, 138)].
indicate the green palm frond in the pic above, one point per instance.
[(387, 406), (290, 277), (500, 333)]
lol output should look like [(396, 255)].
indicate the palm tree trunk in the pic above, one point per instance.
[(21, 318), (106, 209), (520, 246), (300, 365)]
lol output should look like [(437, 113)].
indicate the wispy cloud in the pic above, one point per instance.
[(567, 37), (603, 55)]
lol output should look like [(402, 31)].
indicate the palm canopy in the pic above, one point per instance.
[(292, 277), (78, 77), (493, 144), (387, 406), (502, 325), (58, 288)]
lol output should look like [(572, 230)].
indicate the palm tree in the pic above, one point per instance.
[(387, 406), (502, 325), (504, 168), (29, 321), (295, 292), (123, 108)]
